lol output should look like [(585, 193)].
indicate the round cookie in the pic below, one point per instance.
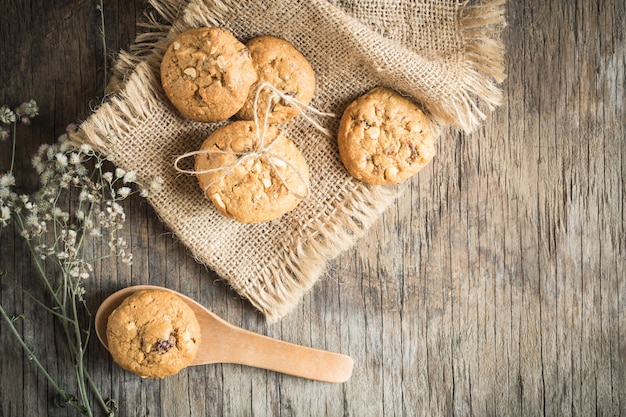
[(206, 73), (247, 184), (280, 64), (153, 333), (384, 138)]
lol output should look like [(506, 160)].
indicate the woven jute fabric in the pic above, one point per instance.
[(446, 55)]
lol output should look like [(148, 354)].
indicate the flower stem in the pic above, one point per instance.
[(14, 140), (79, 367), (108, 409), (100, 8), (70, 325), (42, 273), (31, 356)]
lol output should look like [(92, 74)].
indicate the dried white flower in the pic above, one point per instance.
[(5, 215), (7, 180), (28, 109), (32, 220), (38, 164), (57, 212), (61, 160), (71, 237), (124, 192), (81, 171), (75, 158), (130, 176), (49, 151), (84, 195), (65, 181), (119, 172), (64, 144), (117, 209), (127, 258), (156, 184), (7, 116), (80, 292)]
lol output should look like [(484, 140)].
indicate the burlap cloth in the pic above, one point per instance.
[(445, 54)]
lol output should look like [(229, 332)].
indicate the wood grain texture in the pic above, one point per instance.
[(494, 286)]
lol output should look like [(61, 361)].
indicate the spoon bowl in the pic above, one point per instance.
[(222, 342)]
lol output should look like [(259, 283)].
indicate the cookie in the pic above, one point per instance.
[(206, 74), (384, 138), (153, 333), (246, 183), (280, 64)]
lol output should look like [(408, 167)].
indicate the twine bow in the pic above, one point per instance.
[(261, 149)]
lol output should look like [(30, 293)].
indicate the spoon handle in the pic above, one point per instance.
[(252, 349)]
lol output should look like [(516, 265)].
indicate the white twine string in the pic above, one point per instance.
[(304, 109), (261, 150)]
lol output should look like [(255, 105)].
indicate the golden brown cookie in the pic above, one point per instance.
[(280, 64), (384, 138), (250, 184), (206, 73), (153, 333)]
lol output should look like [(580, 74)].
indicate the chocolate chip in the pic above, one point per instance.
[(414, 153), (162, 346)]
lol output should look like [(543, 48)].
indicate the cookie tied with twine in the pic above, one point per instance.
[(251, 176), (248, 169), (278, 63)]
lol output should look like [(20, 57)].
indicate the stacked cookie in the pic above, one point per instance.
[(247, 168), (249, 184)]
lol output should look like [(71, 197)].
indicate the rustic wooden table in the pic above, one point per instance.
[(495, 286)]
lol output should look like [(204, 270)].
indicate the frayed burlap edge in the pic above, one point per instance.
[(479, 87), (481, 25)]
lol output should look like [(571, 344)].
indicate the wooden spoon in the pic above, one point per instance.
[(224, 343)]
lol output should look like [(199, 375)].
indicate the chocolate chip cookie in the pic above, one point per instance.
[(384, 138), (206, 73), (281, 65), (153, 333), (250, 176)]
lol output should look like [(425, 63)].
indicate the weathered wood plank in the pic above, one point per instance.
[(493, 286)]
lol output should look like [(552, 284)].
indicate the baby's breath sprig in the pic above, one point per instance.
[(22, 114), (56, 228)]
